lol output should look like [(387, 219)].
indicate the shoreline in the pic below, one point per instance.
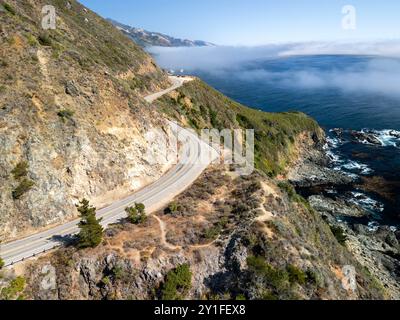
[(376, 247)]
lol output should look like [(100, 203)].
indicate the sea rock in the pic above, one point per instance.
[(385, 234), (338, 132), (335, 207), (366, 137), (360, 229), (310, 174), (394, 133)]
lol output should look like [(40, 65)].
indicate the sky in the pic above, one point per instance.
[(256, 22)]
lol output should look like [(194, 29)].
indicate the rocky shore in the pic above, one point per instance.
[(376, 248), (312, 169)]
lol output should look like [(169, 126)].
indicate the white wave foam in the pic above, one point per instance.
[(373, 226), (354, 165), (332, 142), (367, 203), (388, 138)]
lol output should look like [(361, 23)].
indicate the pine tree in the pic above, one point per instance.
[(91, 231)]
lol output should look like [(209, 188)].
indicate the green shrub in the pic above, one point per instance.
[(212, 233), (296, 275), (9, 8), (65, 114), (173, 208), (338, 232), (14, 289), (137, 214), (177, 283), (276, 278), (1, 263), (24, 186), (106, 281), (118, 273), (313, 278), (287, 188), (32, 41), (20, 170)]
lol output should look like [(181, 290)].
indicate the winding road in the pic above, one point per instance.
[(190, 166)]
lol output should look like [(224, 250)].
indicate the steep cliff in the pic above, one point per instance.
[(72, 117)]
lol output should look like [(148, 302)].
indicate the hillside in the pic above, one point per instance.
[(72, 117), (72, 125), (230, 237), (278, 136), (146, 38)]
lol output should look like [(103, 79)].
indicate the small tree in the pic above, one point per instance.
[(1, 263), (91, 231), (137, 214)]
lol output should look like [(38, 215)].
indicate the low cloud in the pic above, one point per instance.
[(379, 74)]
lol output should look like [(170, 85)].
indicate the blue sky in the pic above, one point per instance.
[(255, 22)]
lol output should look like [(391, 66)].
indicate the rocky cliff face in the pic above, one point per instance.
[(71, 114)]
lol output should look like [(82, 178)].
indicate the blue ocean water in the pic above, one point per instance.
[(270, 85), (348, 92)]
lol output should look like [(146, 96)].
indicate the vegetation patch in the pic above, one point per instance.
[(32, 41), (214, 232), (177, 283), (65, 114), (275, 133), (136, 214), (20, 170), (24, 186), (14, 290), (173, 208), (296, 275), (338, 232), (91, 231), (9, 8)]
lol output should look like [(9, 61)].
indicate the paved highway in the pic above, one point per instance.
[(190, 166)]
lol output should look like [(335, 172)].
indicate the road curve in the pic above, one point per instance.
[(176, 81), (190, 165)]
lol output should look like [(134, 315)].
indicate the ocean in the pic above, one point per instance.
[(354, 98)]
